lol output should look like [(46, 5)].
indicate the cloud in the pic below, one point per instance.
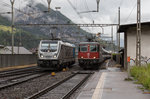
[(108, 11)]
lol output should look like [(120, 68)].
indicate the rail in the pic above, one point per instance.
[(49, 88)]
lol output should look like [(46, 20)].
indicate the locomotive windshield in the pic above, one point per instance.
[(93, 48), (83, 48), (51, 46)]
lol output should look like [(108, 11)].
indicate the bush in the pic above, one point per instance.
[(142, 75)]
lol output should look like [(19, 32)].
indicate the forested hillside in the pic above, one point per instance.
[(29, 37)]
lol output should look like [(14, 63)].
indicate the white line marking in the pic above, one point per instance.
[(99, 88)]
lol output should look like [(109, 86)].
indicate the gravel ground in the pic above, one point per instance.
[(33, 86), (28, 88), (15, 76), (13, 81), (112, 63), (64, 88)]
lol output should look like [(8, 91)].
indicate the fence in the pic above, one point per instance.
[(16, 59)]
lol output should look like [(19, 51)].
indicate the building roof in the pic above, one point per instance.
[(125, 27), (22, 50), (8, 49)]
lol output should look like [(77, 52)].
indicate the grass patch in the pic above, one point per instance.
[(6, 28), (142, 75), (115, 54)]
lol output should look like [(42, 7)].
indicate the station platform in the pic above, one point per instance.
[(16, 67), (110, 84)]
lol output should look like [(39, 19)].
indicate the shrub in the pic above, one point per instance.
[(142, 75)]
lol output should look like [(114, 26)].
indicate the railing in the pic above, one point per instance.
[(17, 59), (143, 61)]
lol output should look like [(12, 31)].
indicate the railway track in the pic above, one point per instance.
[(27, 68), (19, 72), (18, 80), (64, 88)]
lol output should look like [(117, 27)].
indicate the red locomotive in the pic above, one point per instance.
[(90, 55)]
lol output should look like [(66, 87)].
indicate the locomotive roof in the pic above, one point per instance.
[(88, 43), (50, 40), (64, 43), (67, 44)]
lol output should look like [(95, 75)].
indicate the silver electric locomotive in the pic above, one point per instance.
[(55, 54)]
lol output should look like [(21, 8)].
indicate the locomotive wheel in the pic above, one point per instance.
[(85, 68), (96, 67), (60, 68)]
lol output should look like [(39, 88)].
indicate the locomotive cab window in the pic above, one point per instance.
[(83, 48), (52, 46), (93, 48)]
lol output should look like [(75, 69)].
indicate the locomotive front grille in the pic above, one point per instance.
[(48, 56)]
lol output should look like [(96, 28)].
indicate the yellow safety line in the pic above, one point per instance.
[(99, 88), (16, 67)]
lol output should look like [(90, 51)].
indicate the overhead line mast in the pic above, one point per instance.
[(98, 1), (12, 24), (49, 1), (118, 28), (138, 36)]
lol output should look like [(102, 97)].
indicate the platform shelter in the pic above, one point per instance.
[(130, 31)]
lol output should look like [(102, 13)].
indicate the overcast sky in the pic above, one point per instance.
[(108, 11)]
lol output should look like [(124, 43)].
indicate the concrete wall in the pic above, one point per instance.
[(145, 43), (16, 60)]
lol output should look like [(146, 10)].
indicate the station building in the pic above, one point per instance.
[(130, 31)]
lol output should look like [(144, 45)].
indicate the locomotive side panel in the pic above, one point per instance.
[(66, 54)]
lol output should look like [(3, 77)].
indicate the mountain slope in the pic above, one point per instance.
[(30, 36), (54, 17)]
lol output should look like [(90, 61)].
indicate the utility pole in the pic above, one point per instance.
[(19, 44), (56, 14), (112, 38), (49, 1), (138, 36), (12, 24), (102, 30), (57, 8), (98, 5), (118, 28)]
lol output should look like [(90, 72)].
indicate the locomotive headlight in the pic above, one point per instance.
[(94, 57), (41, 56), (82, 57), (55, 56)]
